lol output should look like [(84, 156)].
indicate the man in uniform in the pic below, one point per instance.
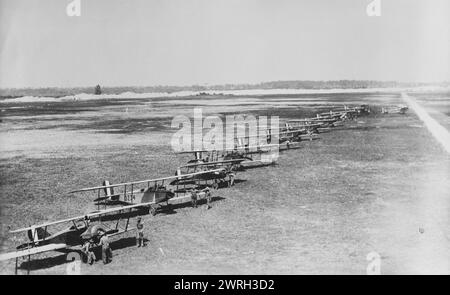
[(140, 233), (106, 249), (194, 198), (87, 250), (208, 197), (216, 184), (231, 179)]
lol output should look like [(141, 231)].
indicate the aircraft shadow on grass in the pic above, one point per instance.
[(172, 209), (167, 210), (254, 167)]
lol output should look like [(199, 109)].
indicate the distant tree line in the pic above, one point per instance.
[(294, 84)]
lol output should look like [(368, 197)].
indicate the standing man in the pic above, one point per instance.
[(208, 197), (87, 250), (216, 184), (231, 179), (140, 233), (106, 249), (194, 198)]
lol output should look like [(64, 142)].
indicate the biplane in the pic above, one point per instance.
[(245, 155), (156, 194), (286, 137), (230, 164), (336, 115), (242, 152), (77, 230), (289, 134), (299, 130), (219, 173), (314, 125), (346, 112), (324, 121), (362, 109), (401, 109)]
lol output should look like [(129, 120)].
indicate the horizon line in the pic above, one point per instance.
[(224, 84)]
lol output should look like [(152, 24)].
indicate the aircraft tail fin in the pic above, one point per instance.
[(109, 191), (35, 234)]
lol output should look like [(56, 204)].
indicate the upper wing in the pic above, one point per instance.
[(224, 162), (108, 211), (313, 120), (231, 148), (141, 181), (192, 151)]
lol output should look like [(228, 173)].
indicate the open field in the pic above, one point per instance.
[(379, 184)]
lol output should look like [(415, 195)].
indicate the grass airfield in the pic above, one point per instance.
[(380, 183)]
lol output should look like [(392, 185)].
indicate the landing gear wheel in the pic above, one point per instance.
[(152, 211)]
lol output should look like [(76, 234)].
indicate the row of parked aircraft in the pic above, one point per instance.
[(116, 204)]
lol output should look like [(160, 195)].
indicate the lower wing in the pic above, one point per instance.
[(32, 251)]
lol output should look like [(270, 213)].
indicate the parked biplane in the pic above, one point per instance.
[(91, 226), (287, 137), (244, 151), (314, 125), (324, 121), (219, 173), (341, 114), (229, 164), (156, 193), (401, 109)]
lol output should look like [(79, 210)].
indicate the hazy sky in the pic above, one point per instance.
[(183, 42)]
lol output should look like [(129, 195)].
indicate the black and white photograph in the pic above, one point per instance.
[(224, 137)]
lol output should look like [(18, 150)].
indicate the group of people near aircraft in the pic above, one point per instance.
[(104, 242)]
